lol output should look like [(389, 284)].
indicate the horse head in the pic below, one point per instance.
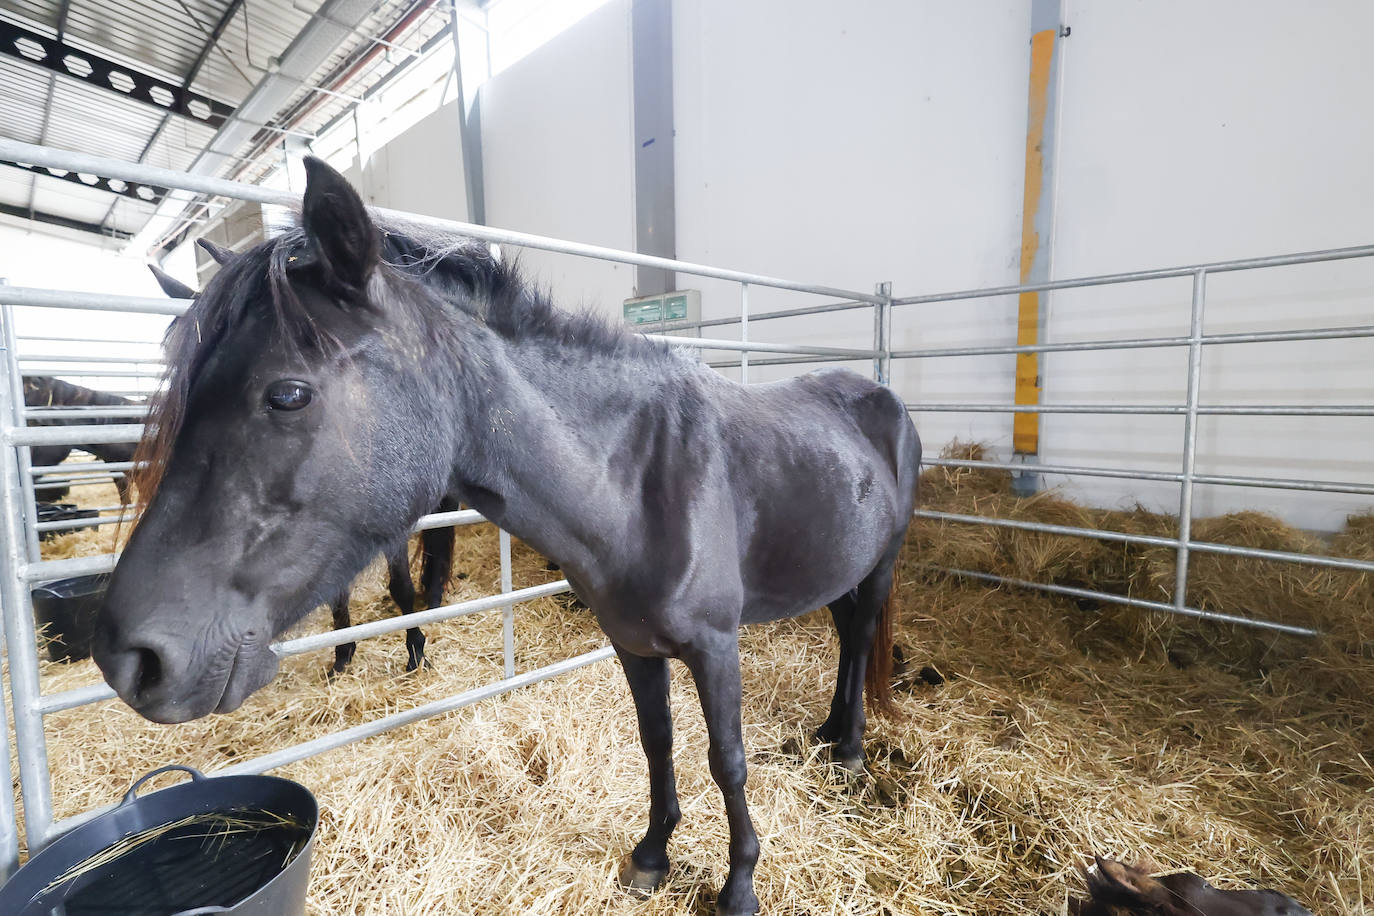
[(297, 437)]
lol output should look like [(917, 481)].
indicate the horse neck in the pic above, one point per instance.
[(536, 445)]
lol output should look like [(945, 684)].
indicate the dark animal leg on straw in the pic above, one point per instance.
[(343, 654), (847, 730), (715, 667), (842, 613), (647, 866), (437, 545), (402, 589)]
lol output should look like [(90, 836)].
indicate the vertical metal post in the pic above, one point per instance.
[(882, 334), (1185, 501), (23, 454), (9, 822), (508, 610), (17, 605), (744, 332)]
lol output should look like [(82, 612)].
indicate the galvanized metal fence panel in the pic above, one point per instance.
[(21, 566)]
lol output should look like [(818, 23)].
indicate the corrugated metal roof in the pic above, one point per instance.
[(167, 40)]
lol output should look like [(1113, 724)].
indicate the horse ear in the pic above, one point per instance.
[(1117, 884), (342, 236), (221, 254), (171, 285)]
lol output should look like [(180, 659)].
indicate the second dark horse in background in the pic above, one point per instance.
[(46, 391)]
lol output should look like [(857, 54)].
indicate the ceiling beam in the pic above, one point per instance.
[(61, 58), (146, 193), (192, 72), (328, 27), (38, 216), (62, 14)]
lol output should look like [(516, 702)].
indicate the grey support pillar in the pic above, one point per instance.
[(651, 31), (470, 130)]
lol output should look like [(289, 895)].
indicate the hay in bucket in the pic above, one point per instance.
[(1058, 731)]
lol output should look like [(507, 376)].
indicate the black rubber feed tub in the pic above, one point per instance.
[(67, 608), (224, 844)]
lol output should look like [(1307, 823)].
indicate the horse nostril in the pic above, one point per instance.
[(147, 671)]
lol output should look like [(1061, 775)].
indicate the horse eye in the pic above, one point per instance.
[(288, 394)]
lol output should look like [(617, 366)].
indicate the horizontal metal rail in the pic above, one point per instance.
[(86, 413), (92, 373), (707, 343), (1095, 595), (74, 482), (1239, 410), (98, 302), (155, 360), (787, 361), (91, 340), (72, 524), (685, 324), (376, 727), (49, 570), (95, 693), (1284, 556), (107, 434), (1286, 260), (1276, 483), (78, 467), (1139, 343), (104, 167)]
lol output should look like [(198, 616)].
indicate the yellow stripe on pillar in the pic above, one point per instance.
[(1026, 426)]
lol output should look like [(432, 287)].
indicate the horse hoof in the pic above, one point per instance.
[(640, 880), (746, 911), (853, 766)]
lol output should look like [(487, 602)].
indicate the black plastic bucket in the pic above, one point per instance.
[(67, 608), (242, 846)]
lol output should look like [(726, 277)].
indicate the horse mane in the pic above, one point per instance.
[(460, 271)]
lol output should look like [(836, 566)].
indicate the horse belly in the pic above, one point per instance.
[(802, 563)]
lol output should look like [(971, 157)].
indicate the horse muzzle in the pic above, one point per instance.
[(164, 679)]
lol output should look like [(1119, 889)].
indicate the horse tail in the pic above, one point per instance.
[(878, 677)]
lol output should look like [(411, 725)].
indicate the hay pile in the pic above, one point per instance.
[(1336, 602), (1058, 731)]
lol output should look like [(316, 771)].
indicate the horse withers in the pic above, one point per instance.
[(333, 384)]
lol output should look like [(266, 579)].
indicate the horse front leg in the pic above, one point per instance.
[(715, 668), (647, 866)]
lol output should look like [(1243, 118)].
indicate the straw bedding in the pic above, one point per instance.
[(1036, 731)]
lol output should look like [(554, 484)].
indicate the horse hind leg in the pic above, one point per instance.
[(859, 624), (343, 653), (402, 589), (842, 611)]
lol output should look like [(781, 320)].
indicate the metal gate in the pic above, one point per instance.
[(21, 567)]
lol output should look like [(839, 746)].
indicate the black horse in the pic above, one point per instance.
[(436, 544), (46, 391), (331, 385)]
